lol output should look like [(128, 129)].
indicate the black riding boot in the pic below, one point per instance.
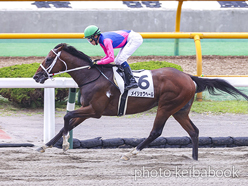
[(131, 82)]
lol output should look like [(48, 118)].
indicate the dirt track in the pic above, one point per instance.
[(24, 166), (170, 166)]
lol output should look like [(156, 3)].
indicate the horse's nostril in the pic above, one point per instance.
[(42, 80), (36, 78)]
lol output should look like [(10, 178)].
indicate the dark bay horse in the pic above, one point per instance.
[(173, 95)]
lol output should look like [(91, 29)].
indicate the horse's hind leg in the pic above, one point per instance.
[(192, 130), (182, 116), (157, 129)]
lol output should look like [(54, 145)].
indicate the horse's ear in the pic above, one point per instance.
[(60, 48)]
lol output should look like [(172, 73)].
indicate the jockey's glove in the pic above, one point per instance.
[(94, 62)]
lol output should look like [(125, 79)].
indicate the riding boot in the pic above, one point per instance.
[(131, 82)]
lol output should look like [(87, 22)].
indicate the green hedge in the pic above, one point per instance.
[(151, 65), (31, 97)]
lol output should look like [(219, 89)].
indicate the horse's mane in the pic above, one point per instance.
[(73, 51)]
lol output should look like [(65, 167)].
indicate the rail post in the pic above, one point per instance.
[(49, 114), (71, 107), (177, 27), (198, 61)]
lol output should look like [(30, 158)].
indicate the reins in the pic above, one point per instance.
[(50, 76), (90, 81), (106, 77)]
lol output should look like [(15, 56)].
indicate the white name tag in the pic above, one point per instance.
[(145, 82)]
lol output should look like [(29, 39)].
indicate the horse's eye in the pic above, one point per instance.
[(49, 60)]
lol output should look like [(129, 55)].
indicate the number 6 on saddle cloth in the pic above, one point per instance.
[(145, 89)]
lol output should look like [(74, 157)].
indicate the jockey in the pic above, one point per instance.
[(127, 40)]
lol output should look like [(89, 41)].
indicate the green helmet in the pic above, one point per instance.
[(91, 30)]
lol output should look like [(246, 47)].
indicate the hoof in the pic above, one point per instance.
[(125, 158), (41, 150), (66, 144), (128, 156)]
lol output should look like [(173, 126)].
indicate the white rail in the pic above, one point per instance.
[(30, 83), (49, 97)]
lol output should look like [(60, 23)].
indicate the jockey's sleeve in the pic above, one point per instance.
[(109, 51)]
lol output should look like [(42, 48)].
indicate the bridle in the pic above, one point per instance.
[(49, 69)]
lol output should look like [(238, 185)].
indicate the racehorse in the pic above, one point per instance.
[(173, 95)]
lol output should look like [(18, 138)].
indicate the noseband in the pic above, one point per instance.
[(49, 69)]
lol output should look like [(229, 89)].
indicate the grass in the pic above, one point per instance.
[(220, 107), (9, 109)]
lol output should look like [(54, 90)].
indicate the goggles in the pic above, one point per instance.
[(90, 39)]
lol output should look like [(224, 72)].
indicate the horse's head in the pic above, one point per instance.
[(51, 64)]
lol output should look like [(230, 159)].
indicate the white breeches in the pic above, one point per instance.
[(134, 40)]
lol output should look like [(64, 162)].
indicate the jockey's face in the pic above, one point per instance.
[(92, 41)]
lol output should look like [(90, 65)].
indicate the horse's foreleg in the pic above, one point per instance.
[(50, 144), (72, 124), (82, 113), (74, 118)]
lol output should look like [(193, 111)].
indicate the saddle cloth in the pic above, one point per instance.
[(145, 89), (144, 80)]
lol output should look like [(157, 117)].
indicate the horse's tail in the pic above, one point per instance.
[(216, 84)]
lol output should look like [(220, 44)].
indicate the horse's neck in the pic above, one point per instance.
[(81, 76)]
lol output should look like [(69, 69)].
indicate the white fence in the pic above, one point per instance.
[(49, 95)]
